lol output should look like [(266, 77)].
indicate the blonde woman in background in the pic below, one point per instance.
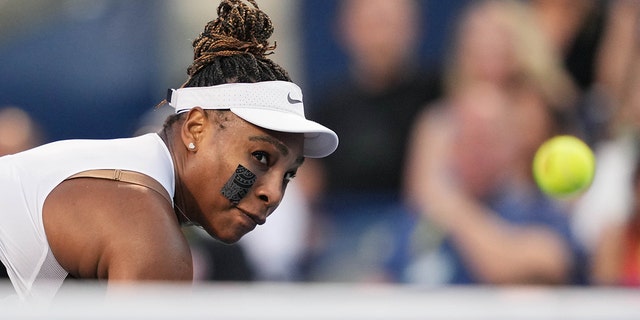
[(468, 174)]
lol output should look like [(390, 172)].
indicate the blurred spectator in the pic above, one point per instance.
[(597, 40), (610, 199), (609, 213), (471, 181), (499, 42), (383, 90), (574, 29), (371, 107), (618, 53), (18, 131), (616, 258), (482, 218)]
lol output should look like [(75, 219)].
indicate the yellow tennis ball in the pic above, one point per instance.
[(563, 166)]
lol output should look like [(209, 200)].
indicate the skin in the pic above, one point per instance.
[(138, 237)]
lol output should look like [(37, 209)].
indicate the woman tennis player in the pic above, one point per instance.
[(112, 209)]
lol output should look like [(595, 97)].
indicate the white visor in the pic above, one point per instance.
[(273, 105)]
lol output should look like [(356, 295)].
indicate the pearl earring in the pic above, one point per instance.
[(191, 146)]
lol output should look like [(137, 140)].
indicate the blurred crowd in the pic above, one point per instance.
[(434, 185), (432, 181)]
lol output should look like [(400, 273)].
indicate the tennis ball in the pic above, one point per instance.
[(563, 166)]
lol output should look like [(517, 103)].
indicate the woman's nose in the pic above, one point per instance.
[(270, 193)]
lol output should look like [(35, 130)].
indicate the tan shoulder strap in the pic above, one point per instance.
[(125, 176)]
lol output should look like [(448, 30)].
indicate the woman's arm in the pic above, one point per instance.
[(102, 229)]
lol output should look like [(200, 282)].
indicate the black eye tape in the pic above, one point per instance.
[(238, 185)]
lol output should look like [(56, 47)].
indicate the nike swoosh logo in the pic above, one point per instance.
[(292, 101)]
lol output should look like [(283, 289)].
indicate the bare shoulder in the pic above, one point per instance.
[(115, 230)]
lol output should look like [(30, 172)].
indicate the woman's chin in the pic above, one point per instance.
[(228, 236)]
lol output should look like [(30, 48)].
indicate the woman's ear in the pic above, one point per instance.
[(193, 128)]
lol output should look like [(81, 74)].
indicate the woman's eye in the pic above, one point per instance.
[(262, 157)]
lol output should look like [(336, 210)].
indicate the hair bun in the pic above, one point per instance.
[(239, 29)]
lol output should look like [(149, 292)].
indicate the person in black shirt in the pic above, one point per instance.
[(372, 107)]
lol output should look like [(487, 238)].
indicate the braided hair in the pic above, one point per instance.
[(233, 48)]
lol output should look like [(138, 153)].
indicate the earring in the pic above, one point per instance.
[(191, 146)]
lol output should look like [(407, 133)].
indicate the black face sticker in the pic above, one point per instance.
[(237, 187)]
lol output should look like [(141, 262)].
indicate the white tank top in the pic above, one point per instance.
[(27, 178)]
